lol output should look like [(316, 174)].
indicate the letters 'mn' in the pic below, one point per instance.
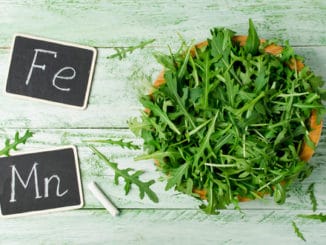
[(34, 173)]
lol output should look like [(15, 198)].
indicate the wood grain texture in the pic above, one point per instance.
[(112, 23), (176, 219), (146, 226)]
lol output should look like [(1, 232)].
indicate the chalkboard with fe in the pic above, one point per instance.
[(40, 182), (51, 71)]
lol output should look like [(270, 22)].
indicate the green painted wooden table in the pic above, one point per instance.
[(176, 218)]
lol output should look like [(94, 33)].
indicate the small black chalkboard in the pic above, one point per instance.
[(52, 71), (39, 182)]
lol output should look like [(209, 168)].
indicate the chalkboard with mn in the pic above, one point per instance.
[(40, 181), (52, 71)]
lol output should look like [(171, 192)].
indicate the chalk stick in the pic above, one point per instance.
[(103, 199)]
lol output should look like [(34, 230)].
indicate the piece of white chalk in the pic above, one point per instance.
[(103, 199)]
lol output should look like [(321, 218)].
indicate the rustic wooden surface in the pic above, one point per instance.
[(113, 100)]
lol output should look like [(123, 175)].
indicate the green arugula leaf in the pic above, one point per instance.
[(178, 175), (172, 90), (205, 142), (121, 52), (321, 217), (279, 194), (144, 187), (253, 42), (136, 126), (157, 111), (297, 231), (313, 200), (211, 207), (13, 145)]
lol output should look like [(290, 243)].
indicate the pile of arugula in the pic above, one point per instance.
[(229, 121)]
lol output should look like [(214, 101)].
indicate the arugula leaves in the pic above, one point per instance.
[(321, 217), (230, 120), (17, 140)]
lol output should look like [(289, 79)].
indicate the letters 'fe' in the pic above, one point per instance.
[(52, 71), (40, 182)]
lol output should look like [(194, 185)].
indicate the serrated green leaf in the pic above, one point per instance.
[(121, 52), (313, 200), (252, 43), (144, 187), (17, 140), (279, 194), (212, 206), (157, 111), (205, 141), (189, 186), (171, 85), (297, 231), (178, 175), (321, 217)]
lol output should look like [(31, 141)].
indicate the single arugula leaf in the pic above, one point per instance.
[(189, 187), (321, 217), (221, 44), (212, 206), (206, 78), (183, 67), (121, 52), (178, 175), (279, 194), (252, 43), (136, 126), (158, 111), (205, 142), (123, 144), (17, 140), (167, 61), (297, 231), (313, 200), (144, 187)]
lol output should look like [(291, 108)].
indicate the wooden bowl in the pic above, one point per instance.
[(306, 151)]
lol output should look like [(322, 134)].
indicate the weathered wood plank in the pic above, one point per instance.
[(113, 98), (92, 169), (163, 227), (115, 23), (114, 95), (176, 218)]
